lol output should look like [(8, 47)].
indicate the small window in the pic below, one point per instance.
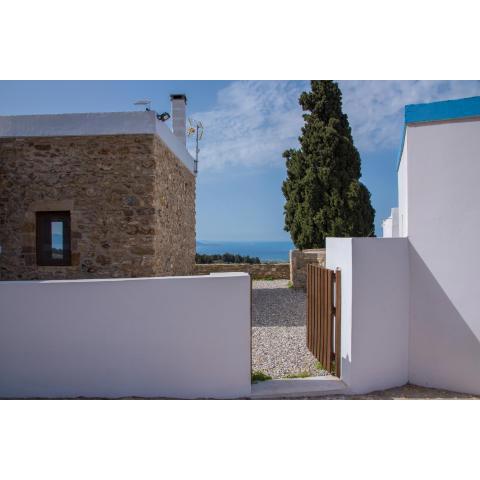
[(53, 238)]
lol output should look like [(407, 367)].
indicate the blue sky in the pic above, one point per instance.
[(248, 124)]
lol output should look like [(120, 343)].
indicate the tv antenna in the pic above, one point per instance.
[(195, 128), (145, 102)]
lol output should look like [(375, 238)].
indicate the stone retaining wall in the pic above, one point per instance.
[(299, 259), (276, 271)]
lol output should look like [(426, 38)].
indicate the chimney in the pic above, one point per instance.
[(179, 120)]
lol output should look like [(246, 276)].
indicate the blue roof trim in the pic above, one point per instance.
[(446, 110), (438, 111)]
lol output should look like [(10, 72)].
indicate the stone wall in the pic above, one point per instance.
[(276, 271), (299, 259), (131, 203), (174, 205)]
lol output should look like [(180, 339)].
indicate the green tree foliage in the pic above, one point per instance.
[(225, 258), (324, 197)]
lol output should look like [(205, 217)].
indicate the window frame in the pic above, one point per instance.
[(43, 222)]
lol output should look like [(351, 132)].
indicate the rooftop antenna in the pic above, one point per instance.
[(147, 103), (195, 128)]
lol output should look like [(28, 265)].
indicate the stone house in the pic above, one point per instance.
[(96, 195)]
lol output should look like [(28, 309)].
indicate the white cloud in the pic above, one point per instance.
[(253, 122), (375, 108)]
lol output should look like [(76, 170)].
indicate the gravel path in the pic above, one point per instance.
[(279, 331)]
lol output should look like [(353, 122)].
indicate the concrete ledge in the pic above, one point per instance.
[(294, 387)]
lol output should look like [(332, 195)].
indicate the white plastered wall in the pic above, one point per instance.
[(149, 337), (390, 225), (443, 230), (387, 227), (375, 310), (339, 256), (395, 223), (403, 190)]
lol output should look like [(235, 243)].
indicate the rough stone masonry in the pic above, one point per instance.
[(131, 204), (299, 261)]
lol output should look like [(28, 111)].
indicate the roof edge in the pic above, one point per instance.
[(94, 124), (442, 111)]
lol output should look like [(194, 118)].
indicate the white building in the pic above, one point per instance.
[(390, 225), (411, 305)]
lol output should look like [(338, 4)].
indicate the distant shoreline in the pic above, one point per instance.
[(266, 251)]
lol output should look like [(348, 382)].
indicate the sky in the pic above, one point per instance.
[(248, 124)]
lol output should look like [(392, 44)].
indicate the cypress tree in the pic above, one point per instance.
[(324, 196)]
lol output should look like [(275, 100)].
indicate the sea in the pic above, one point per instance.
[(266, 251)]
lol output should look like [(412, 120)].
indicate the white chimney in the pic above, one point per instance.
[(179, 120)]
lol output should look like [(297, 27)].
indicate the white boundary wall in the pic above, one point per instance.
[(443, 229), (170, 337), (375, 310)]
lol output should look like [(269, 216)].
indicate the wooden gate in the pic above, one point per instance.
[(324, 316)]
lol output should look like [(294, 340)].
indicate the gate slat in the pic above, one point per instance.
[(338, 322), (320, 316), (325, 319), (314, 296), (322, 310), (312, 309), (309, 306), (314, 312), (317, 314), (330, 317), (322, 306), (328, 333)]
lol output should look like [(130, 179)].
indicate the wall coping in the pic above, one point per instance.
[(309, 250), (250, 264), (116, 280)]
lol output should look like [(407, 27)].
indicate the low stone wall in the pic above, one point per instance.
[(299, 259), (276, 271)]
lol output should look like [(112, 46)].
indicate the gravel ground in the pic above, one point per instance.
[(279, 331)]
